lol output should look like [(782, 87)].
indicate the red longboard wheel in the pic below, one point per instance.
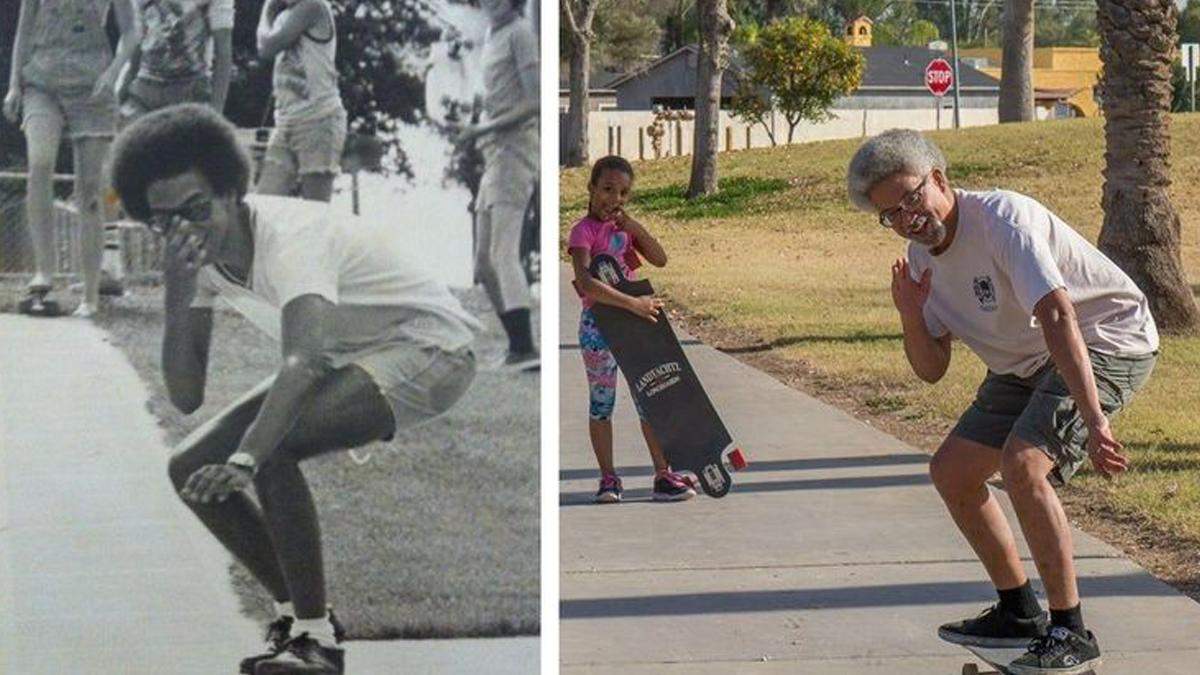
[(737, 460)]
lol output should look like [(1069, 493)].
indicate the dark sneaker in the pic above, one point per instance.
[(522, 361), (672, 487), (303, 655), (278, 633), (995, 628), (1061, 652), (610, 489)]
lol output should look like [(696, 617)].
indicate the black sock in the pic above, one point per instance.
[(1020, 601), (1071, 619), (520, 334)]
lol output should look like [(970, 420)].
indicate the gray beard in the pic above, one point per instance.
[(934, 235)]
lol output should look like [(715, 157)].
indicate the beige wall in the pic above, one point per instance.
[(618, 132)]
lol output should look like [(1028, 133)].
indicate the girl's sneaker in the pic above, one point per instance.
[(610, 489), (672, 487)]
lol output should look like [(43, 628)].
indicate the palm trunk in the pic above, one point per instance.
[(715, 28), (1016, 68), (1141, 229)]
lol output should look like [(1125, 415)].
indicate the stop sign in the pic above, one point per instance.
[(939, 77)]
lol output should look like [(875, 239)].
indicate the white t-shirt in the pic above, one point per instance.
[(382, 291), (1008, 253)]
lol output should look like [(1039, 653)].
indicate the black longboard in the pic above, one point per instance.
[(691, 433)]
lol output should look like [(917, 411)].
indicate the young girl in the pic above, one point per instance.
[(607, 229)]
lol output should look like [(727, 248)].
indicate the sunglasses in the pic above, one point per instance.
[(162, 222), (910, 201)]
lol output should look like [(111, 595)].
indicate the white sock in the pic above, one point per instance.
[(320, 630), (284, 609)]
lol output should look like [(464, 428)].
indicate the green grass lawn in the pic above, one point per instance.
[(434, 534), (793, 267)]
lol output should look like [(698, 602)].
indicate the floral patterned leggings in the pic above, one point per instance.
[(601, 369)]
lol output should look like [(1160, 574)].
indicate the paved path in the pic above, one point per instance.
[(832, 555), (102, 569)]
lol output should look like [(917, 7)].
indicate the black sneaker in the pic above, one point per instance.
[(1061, 652), (304, 655), (278, 633), (995, 628)]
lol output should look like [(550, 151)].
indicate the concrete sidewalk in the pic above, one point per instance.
[(833, 554), (102, 568)]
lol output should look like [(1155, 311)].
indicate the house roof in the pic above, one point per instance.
[(904, 68), (682, 51)]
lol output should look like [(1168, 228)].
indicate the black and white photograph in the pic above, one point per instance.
[(269, 314)]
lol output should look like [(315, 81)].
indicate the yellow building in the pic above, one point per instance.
[(1063, 78)]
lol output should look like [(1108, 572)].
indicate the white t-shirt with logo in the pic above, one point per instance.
[(381, 289), (1009, 252)]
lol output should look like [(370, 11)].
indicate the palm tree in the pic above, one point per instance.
[(715, 28), (1141, 227), (1016, 68), (577, 16)]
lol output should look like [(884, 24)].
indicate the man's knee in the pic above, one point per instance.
[(1024, 467)]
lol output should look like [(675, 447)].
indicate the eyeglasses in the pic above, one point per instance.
[(910, 201), (199, 211)]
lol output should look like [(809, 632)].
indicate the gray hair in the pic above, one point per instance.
[(891, 152)]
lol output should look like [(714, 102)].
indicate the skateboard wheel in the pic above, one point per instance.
[(737, 460)]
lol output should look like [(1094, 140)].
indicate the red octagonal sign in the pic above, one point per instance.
[(939, 77)]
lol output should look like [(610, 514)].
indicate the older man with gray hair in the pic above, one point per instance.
[(1067, 338)]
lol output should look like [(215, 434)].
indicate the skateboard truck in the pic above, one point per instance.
[(36, 304)]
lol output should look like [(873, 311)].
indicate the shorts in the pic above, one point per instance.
[(601, 369), (145, 95), (510, 168), (72, 109), (1040, 410), (420, 382), (309, 146)]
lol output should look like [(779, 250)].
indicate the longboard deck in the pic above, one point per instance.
[(667, 389)]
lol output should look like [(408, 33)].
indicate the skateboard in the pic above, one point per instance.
[(666, 388), (36, 304), (998, 658)]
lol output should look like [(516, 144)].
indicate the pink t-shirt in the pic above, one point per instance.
[(604, 238)]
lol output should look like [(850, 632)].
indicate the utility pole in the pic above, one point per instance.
[(954, 59)]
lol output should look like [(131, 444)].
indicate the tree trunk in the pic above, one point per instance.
[(1141, 228), (715, 28), (1016, 68), (577, 107)]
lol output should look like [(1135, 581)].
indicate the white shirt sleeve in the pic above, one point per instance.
[(1026, 258), (220, 14)]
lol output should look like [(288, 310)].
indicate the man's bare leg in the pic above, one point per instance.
[(960, 470)]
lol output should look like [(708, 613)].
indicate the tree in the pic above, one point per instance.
[(1016, 69), (797, 66), (624, 38), (1141, 230), (380, 81), (715, 28), (577, 16)]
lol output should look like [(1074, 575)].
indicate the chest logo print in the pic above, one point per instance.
[(985, 292)]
